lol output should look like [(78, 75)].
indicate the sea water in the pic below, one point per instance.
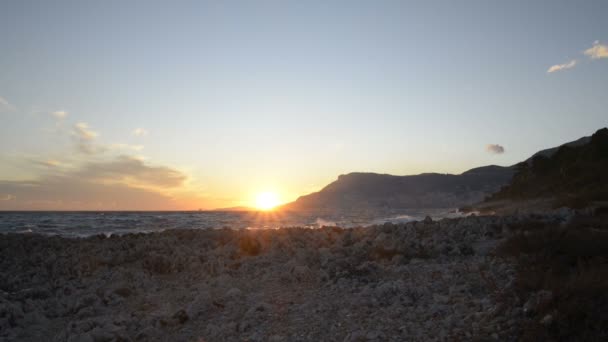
[(82, 224)]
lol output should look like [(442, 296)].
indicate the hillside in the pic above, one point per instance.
[(551, 151), (574, 175), (371, 191)]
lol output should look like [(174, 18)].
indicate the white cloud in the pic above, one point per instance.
[(495, 149), (59, 114), (83, 131), (140, 132), (6, 106), (85, 139), (121, 146), (597, 51), (48, 163), (559, 67)]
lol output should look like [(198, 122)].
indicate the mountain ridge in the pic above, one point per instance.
[(373, 191), (377, 191), (574, 175)]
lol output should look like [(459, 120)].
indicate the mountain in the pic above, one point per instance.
[(240, 208), (576, 171), (372, 191), (574, 174), (550, 151)]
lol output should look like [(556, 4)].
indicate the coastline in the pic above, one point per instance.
[(424, 280), (85, 224)]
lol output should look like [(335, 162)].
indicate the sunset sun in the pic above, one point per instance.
[(266, 200)]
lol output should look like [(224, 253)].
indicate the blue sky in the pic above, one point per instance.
[(240, 97)]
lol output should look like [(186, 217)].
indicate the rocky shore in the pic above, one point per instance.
[(420, 281)]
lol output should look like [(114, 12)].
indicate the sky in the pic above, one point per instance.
[(172, 105)]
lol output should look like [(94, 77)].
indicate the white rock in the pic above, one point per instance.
[(547, 320)]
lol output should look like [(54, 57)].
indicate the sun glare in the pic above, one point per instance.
[(266, 200)]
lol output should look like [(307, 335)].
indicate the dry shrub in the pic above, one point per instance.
[(381, 253), (249, 246), (572, 263)]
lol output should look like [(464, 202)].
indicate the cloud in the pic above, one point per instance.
[(83, 131), (140, 132), (559, 67), (63, 193), (6, 197), (495, 149), (48, 163), (60, 114), (94, 181), (121, 146), (131, 170), (123, 182), (6, 106), (85, 139), (597, 51)]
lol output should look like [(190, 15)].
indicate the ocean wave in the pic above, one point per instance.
[(82, 224)]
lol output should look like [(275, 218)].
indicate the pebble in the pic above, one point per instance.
[(409, 281)]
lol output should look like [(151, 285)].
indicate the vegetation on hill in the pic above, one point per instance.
[(562, 276), (574, 176)]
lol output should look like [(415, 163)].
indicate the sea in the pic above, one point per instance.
[(88, 223)]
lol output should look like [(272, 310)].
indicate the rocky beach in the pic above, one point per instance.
[(303, 171), (418, 281)]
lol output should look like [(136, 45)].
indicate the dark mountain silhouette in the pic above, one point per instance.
[(575, 171), (574, 174), (551, 151), (372, 191)]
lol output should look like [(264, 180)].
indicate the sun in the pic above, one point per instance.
[(266, 200)]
